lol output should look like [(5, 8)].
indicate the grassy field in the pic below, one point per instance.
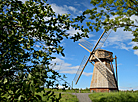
[(64, 98), (114, 97), (66, 95), (97, 97), (68, 98)]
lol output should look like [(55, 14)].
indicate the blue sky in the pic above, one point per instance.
[(118, 42)]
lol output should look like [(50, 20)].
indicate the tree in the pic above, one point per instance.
[(30, 33), (113, 14)]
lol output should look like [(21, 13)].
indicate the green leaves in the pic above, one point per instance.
[(20, 97), (32, 88), (5, 81)]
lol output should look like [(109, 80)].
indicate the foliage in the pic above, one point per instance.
[(64, 97), (30, 33), (114, 97), (114, 14)]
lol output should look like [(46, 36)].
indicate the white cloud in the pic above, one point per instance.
[(65, 9), (87, 74), (119, 36), (70, 8), (134, 18), (91, 35), (72, 31), (59, 9), (73, 9), (64, 67), (37, 46), (133, 44), (69, 71), (60, 87), (122, 46), (128, 88), (23, 1), (136, 52), (75, 71), (119, 64), (121, 40)]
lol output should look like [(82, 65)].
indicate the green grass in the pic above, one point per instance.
[(66, 96), (114, 97)]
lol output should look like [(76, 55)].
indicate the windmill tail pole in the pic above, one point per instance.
[(116, 70), (90, 55)]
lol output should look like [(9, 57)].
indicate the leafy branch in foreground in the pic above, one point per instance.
[(30, 33)]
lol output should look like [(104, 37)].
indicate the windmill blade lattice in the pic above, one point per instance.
[(103, 39), (80, 68), (86, 44)]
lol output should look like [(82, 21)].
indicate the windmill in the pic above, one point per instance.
[(104, 77)]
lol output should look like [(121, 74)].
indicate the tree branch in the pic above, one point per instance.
[(133, 2)]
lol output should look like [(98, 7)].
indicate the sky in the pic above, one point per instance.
[(120, 43)]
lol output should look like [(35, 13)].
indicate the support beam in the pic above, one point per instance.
[(116, 69), (112, 65)]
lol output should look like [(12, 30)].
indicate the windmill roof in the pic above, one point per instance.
[(104, 50)]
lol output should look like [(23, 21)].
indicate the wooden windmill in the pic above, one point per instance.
[(104, 78)]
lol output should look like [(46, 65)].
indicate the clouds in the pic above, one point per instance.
[(136, 52), (23, 1), (64, 9), (121, 40), (59, 9), (120, 36), (67, 68), (134, 18), (87, 74), (72, 31)]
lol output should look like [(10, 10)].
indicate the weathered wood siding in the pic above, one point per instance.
[(102, 78)]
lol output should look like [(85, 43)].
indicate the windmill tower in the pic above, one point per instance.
[(104, 78)]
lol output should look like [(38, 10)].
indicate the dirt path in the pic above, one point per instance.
[(83, 97)]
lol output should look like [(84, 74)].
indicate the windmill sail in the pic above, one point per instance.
[(86, 45), (103, 39), (80, 68)]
